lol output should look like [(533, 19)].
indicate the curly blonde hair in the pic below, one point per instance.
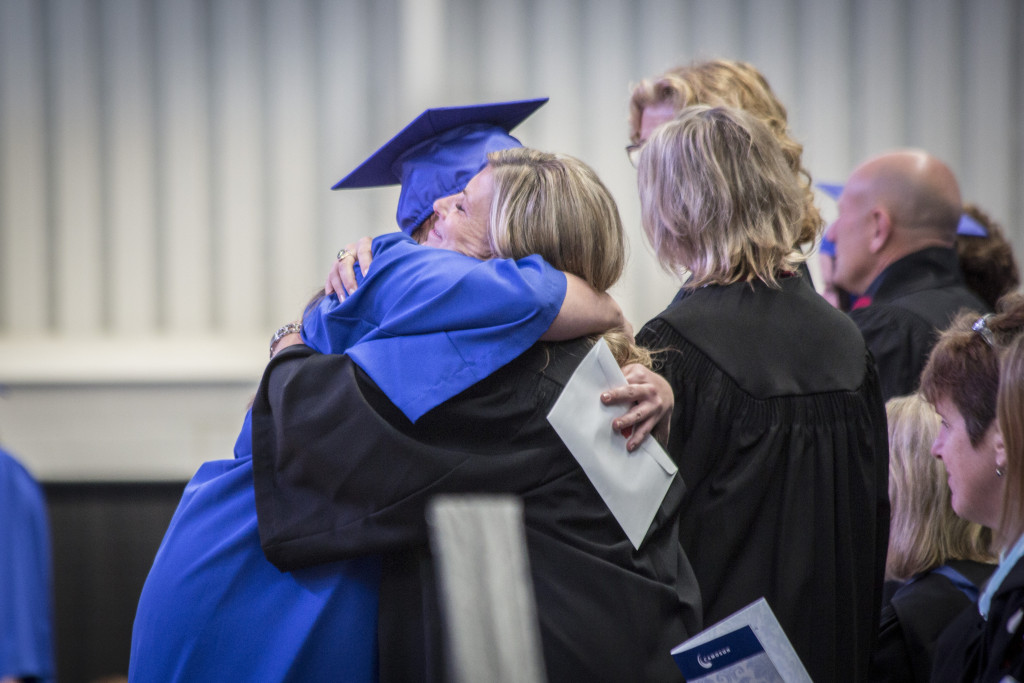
[(725, 82), (718, 199)]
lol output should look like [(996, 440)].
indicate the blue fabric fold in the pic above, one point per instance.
[(451, 322)]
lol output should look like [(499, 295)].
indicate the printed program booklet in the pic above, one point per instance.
[(748, 646)]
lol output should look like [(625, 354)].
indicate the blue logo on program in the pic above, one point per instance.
[(719, 653)]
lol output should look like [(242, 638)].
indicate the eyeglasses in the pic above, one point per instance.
[(633, 152), (981, 327)]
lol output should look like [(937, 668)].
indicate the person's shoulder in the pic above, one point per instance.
[(396, 255), (557, 361), (929, 302), (899, 341), (17, 476), (816, 310), (939, 300), (1014, 581), (392, 239), (685, 313), (398, 246), (663, 326), (888, 319), (9, 463), (1004, 628), (23, 498), (957, 651), (975, 572), (545, 363), (771, 342)]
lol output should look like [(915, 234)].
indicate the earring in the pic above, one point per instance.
[(999, 472)]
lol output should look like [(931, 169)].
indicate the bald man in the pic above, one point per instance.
[(895, 251)]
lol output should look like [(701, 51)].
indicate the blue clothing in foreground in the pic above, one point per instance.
[(214, 609), (426, 323), (26, 608)]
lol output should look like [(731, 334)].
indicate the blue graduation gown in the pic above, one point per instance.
[(426, 323)]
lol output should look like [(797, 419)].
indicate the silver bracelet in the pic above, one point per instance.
[(282, 331)]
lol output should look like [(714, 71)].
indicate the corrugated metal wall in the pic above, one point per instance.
[(165, 164)]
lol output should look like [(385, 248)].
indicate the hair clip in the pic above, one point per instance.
[(981, 327)]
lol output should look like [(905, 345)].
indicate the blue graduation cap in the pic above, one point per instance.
[(967, 226), (831, 189), (970, 227), (439, 153), (827, 246)]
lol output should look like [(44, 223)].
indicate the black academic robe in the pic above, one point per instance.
[(340, 472), (779, 432), (975, 649), (916, 616), (906, 308)]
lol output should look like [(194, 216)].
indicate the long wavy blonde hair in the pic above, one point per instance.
[(726, 82), (924, 531), (717, 198), (1011, 422)]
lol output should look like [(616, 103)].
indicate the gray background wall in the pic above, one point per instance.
[(165, 165), (164, 202)]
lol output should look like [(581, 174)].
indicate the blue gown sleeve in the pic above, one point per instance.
[(427, 323), (26, 608)]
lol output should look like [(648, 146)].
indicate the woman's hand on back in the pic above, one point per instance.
[(341, 280), (650, 400)]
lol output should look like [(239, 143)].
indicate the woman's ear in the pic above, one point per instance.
[(999, 446)]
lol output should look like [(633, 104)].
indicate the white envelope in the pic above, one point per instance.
[(633, 485)]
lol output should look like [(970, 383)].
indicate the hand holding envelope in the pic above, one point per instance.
[(648, 400), (632, 485)]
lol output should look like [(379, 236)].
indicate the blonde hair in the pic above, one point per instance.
[(924, 531), (725, 82), (555, 205), (1010, 410), (718, 199)]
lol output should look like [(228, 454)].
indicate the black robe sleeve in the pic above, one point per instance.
[(334, 478)]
